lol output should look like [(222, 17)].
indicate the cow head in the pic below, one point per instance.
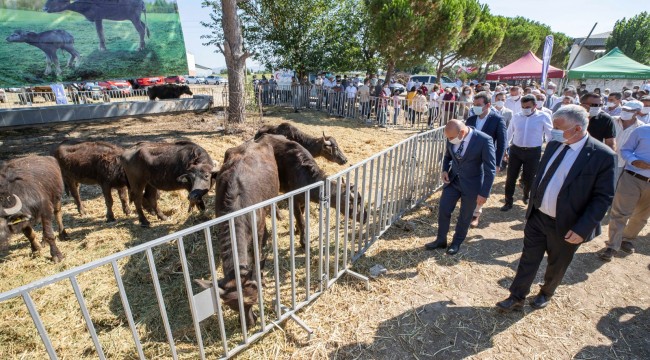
[(228, 293), (11, 214), (186, 90), (18, 36), (349, 198), (198, 180), (331, 150), (54, 6)]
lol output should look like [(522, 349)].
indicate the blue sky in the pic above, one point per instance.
[(573, 17)]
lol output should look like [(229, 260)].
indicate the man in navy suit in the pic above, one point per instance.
[(469, 166), (492, 124), (572, 191)]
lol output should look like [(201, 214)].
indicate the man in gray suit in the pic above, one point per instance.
[(469, 167)]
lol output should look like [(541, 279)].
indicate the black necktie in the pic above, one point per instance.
[(459, 152), (541, 188)]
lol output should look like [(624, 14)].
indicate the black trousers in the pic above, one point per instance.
[(526, 158), (541, 237)]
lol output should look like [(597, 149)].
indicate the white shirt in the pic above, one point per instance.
[(645, 118), (433, 99), (514, 105), (622, 135), (481, 122), (465, 142), (547, 111), (529, 131), (364, 93), (351, 91), (549, 201)]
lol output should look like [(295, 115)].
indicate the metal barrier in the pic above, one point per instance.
[(344, 224), (386, 112)]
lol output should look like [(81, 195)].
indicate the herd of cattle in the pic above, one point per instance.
[(279, 158)]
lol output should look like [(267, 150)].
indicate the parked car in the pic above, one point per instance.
[(215, 80), (195, 80), (116, 87), (150, 81), (430, 80), (397, 87), (178, 79)]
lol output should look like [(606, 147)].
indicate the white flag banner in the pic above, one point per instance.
[(546, 58)]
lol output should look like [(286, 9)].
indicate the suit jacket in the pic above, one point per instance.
[(495, 126), (475, 171), (587, 191)]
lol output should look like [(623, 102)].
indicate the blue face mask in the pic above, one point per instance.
[(558, 135)]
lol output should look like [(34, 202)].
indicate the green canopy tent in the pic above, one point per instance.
[(613, 65)]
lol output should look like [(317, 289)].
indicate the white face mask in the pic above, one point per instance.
[(499, 104), (478, 110), (645, 110), (456, 140), (593, 111), (611, 104), (539, 103), (467, 92), (549, 92), (515, 98), (527, 112), (626, 115)]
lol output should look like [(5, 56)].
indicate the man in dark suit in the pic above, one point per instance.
[(492, 124), (468, 169), (572, 191)]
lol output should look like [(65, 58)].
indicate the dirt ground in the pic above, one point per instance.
[(428, 305)]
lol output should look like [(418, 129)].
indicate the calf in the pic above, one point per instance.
[(249, 175), (326, 146), (49, 42), (93, 163), (30, 191), (150, 167), (168, 91), (297, 169)]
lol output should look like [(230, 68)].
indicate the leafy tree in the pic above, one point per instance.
[(632, 37), (521, 35), (460, 19)]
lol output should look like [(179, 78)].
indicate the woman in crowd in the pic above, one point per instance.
[(420, 106), (434, 105), (410, 95)]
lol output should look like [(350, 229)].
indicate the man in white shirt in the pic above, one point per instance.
[(526, 134), (613, 106), (644, 112), (625, 124), (541, 100), (499, 107), (364, 99), (410, 84), (551, 98), (646, 85), (513, 101), (351, 97)]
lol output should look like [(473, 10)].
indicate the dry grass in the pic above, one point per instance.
[(93, 239)]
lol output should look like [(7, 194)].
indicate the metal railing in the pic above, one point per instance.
[(388, 112), (353, 209)]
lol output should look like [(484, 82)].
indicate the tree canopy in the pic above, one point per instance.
[(632, 37)]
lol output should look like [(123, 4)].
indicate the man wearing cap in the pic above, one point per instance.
[(631, 206), (613, 107), (625, 124), (601, 126), (644, 113)]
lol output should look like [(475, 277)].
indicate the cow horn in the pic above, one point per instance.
[(327, 143), (16, 208)]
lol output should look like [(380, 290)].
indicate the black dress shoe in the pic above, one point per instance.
[(540, 301), (435, 245), (453, 249), (506, 207), (510, 304), (525, 200)]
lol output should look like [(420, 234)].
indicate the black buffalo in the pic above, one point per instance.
[(49, 42), (30, 192), (249, 175), (168, 91), (98, 10), (325, 146), (297, 169), (165, 166), (93, 163)]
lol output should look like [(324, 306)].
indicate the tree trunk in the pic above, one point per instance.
[(439, 68), (389, 72), (233, 51)]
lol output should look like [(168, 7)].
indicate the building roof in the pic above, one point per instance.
[(595, 41), (201, 67)]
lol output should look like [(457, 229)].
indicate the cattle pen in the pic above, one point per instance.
[(390, 182)]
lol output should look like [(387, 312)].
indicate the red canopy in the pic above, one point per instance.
[(528, 66)]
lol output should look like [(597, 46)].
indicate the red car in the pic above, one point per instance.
[(150, 81), (175, 80), (116, 86)]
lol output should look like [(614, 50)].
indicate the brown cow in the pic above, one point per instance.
[(165, 166), (297, 169), (326, 146), (249, 175), (93, 163), (30, 191)]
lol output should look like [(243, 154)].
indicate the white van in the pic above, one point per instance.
[(430, 80)]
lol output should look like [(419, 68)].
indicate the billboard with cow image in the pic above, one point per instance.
[(47, 41)]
